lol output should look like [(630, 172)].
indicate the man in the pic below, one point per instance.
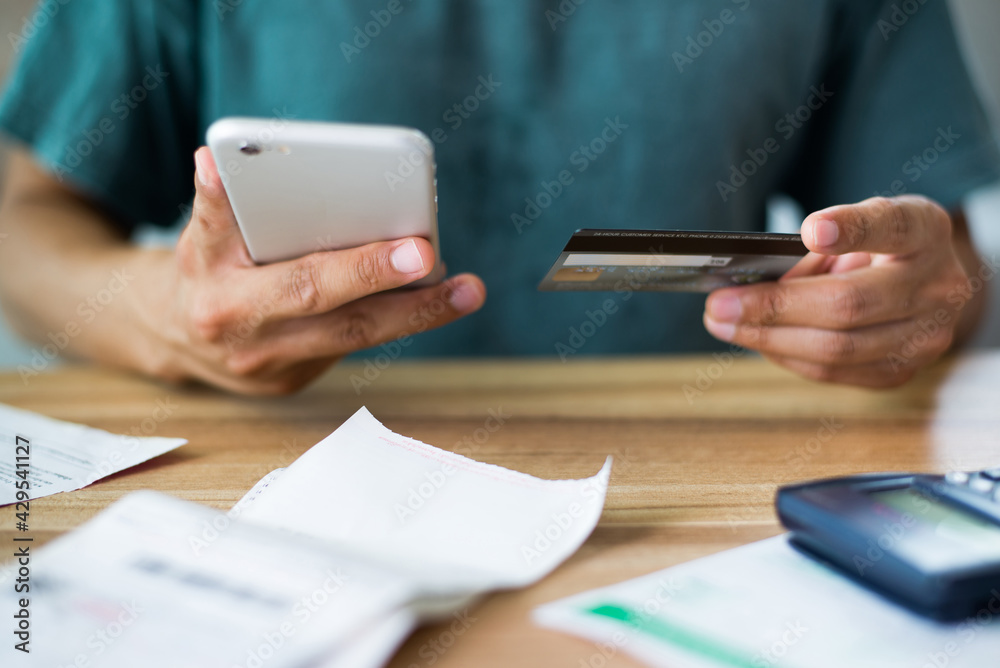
[(547, 116)]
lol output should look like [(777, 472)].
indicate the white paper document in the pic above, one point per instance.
[(458, 526), (329, 563), (128, 589), (373, 647), (764, 605), (43, 456)]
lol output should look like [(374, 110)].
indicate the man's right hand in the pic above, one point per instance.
[(271, 329), (205, 311)]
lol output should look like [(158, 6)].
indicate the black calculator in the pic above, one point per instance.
[(928, 542)]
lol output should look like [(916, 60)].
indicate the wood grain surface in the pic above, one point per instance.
[(700, 444)]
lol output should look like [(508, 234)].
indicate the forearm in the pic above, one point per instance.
[(68, 279)]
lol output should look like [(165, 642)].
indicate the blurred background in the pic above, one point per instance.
[(978, 24)]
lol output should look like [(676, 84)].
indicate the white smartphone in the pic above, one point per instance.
[(301, 187)]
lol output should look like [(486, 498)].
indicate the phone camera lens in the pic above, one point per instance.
[(249, 148)]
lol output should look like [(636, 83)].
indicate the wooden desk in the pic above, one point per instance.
[(693, 475)]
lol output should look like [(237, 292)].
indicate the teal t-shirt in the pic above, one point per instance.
[(659, 112)]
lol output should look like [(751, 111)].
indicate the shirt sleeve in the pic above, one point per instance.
[(904, 116), (104, 95)]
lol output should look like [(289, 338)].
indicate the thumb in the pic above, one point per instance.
[(212, 219)]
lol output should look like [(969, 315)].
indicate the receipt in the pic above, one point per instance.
[(457, 526), (53, 456)]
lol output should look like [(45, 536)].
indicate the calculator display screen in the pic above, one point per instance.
[(935, 533)]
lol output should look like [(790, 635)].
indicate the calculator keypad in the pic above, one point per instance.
[(982, 482), (982, 485), (978, 491), (957, 477)]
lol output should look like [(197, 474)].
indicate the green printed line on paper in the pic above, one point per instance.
[(675, 635)]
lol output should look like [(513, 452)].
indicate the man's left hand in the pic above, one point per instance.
[(879, 296)]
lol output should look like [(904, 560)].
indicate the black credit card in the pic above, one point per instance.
[(671, 260)]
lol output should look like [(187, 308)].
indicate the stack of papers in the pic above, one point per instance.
[(329, 563), (764, 605)]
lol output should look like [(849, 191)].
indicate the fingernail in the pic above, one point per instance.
[(406, 258), (199, 168), (464, 298), (725, 331), (725, 309), (825, 233)]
